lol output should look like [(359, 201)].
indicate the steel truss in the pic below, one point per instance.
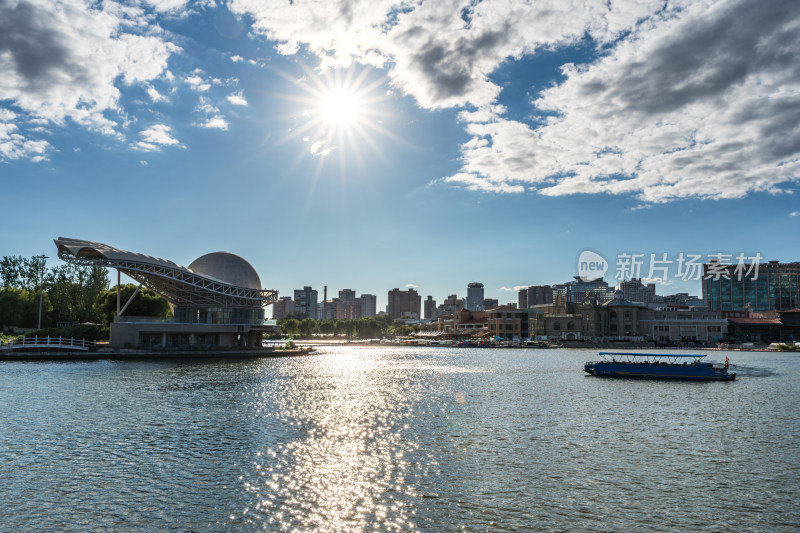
[(181, 287)]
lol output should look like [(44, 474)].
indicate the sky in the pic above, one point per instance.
[(374, 144)]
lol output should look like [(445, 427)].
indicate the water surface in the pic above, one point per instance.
[(379, 438)]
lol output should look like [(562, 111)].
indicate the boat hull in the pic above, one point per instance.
[(694, 372)]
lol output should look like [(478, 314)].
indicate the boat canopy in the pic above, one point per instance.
[(652, 358), (629, 354)]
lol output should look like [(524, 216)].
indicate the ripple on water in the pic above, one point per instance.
[(396, 439)]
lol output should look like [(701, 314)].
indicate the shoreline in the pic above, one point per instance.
[(150, 355)]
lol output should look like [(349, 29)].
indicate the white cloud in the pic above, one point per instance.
[(237, 98), (686, 99), (216, 122), (411, 286), (64, 59), (167, 5), (155, 137), (794, 214), (197, 83), (14, 145), (692, 105), (515, 288), (318, 148), (143, 163), (154, 95), (237, 58)]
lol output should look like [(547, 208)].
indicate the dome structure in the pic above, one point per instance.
[(227, 267)]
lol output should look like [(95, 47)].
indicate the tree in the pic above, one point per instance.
[(20, 308), (74, 291), (326, 327), (307, 327), (146, 303), (290, 326), (20, 273), (338, 327)]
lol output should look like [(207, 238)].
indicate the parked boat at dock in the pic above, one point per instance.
[(658, 366)]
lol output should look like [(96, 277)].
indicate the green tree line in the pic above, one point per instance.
[(71, 293), (362, 328)]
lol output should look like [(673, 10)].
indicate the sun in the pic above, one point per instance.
[(340, 113), (339, 107)]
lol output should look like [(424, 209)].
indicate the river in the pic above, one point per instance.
[(393, 438)]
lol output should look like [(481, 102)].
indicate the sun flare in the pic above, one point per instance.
[(343, 113), (339, 107)]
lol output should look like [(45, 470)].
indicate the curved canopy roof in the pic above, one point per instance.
[(180, 285)]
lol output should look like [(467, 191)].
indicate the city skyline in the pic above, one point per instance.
[(425, 146)]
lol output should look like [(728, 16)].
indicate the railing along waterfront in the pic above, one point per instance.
[(173, 320), (46, 342)]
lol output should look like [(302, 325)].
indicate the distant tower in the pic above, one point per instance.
[(475, 296), (324, 302), (430, 308)]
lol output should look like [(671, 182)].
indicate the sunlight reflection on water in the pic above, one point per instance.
[(391, 438)]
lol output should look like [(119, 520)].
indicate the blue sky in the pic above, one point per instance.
[(374, 144)]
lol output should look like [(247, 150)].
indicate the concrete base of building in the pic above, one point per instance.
[(177, 335)]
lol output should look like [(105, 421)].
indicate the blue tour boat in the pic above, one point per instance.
[(658, 366)]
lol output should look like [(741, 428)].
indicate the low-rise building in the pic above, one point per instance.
[(681, 325), (509, 323)]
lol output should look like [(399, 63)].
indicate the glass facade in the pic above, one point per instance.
[(219, 315), (772, 286)]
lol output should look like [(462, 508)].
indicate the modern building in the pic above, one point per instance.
[(636, 291), (283, 307), (217, 300), (511, 324), (577, 290), (463, 322), (535, 295), (305, 302), (451, 304), (490, 303), (681, 298), (430, 308), (404, 304), (681, 325), (475, 296), (369, 305), (767, 286), (347, 295)]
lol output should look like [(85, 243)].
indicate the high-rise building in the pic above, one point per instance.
[(430, 308), (765, 286), (305, 301), (490, 303), (348, 309), (635, 291), (475, 296), (404, 303), (283, 307), (346, 295), (329, 309), (369, 305), (575, 291), (534, 295), (539, 295)]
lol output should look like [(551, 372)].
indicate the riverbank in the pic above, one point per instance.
[(126, 354)]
